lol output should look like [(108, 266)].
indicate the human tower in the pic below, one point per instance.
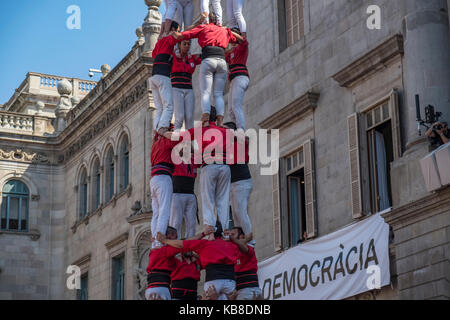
[(220, 151)]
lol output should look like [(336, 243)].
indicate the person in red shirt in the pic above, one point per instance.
[(246, 269), (213, 71), (185, 276), (239, 81), (214, 142), (183, 66), (161, 186), (161, 264), (160, 84), (217, 256)]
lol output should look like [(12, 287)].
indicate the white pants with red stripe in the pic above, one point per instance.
[(223, 287), (216, 6), (235, 16), (184, 206), (163, 98), (161, 188), (239, 196), (215, 182), (184, 105), (213, 77), (158, 293), (236, 95)]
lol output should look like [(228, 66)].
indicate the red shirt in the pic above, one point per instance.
[(240, 154), (186, 270), (213, 252), (185, 65), (239, 55), (161, 156), (208, 142), (162, 259), (185, 170), (247, 261), (164, 46), (210, 35)]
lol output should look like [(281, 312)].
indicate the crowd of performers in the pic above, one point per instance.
[(227, 255)]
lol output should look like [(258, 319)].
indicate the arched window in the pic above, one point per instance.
[(109, 175), (124, 164), (83, 187), (95, 185), (14, 208)]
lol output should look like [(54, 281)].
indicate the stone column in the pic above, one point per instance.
[(426, 62), (64, 105), (152, 25)]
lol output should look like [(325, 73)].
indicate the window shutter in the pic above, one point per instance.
[(395, 122), (310, 189), (276, 211), (355, 172)]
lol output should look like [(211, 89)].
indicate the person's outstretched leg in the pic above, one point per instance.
[(238, 7), (222, 195), (239, 87), (220, 79)]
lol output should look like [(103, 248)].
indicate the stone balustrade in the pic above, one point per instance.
[(25, 124)]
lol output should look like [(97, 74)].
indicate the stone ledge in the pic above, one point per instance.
[(33, 234), (370, 62), (292, 113), (118, 240)]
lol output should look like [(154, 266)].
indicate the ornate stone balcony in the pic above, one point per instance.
[(25, 124)]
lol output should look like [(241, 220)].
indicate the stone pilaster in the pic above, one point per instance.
[(426, 61), (152, 25)]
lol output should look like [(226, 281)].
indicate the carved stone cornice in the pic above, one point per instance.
[(140, 218), (34, 234), (83, 260), (418, 210), (116, 241), (292, 113), (371, 62), (25, 156)]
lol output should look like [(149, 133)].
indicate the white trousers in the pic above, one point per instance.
[(235, 17), (216, 6), (215, 189), (248, 294), (171, 9), (240, 194), (236, 95), (223, 287), (161, 188), (163, 98), (161, 293), (213, 77), (184, 105), (184, 206), (186, 12)]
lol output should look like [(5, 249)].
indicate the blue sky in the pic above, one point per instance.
[(34, 37)]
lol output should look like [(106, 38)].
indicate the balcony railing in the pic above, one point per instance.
[(25, 124)]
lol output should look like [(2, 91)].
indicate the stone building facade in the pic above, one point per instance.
[(318, 74)]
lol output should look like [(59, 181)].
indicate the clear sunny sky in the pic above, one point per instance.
[(34, 37)]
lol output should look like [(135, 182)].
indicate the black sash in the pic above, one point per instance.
[(213, 52)]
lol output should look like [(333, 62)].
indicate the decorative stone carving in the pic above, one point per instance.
[(19, 155), (136, 208), (143, 245), (75, 101), (39, 107), (140, 35), (152, 25), (35, 197), (64, 105), (105, 70)]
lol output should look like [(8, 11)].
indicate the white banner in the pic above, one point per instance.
[(339, 265)]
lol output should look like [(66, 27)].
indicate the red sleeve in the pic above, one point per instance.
[(193, 245), (231, 36), (171, 251), (193, 33), (197, 59)]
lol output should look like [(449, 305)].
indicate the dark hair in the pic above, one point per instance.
[(174, 26), (231, 125), (240, 231), (170, 230), (219, 230), (213, 114), (236, 30), (212, 18)]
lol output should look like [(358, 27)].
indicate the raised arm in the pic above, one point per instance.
[(238, 37), (242, 244), (173, 243)]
